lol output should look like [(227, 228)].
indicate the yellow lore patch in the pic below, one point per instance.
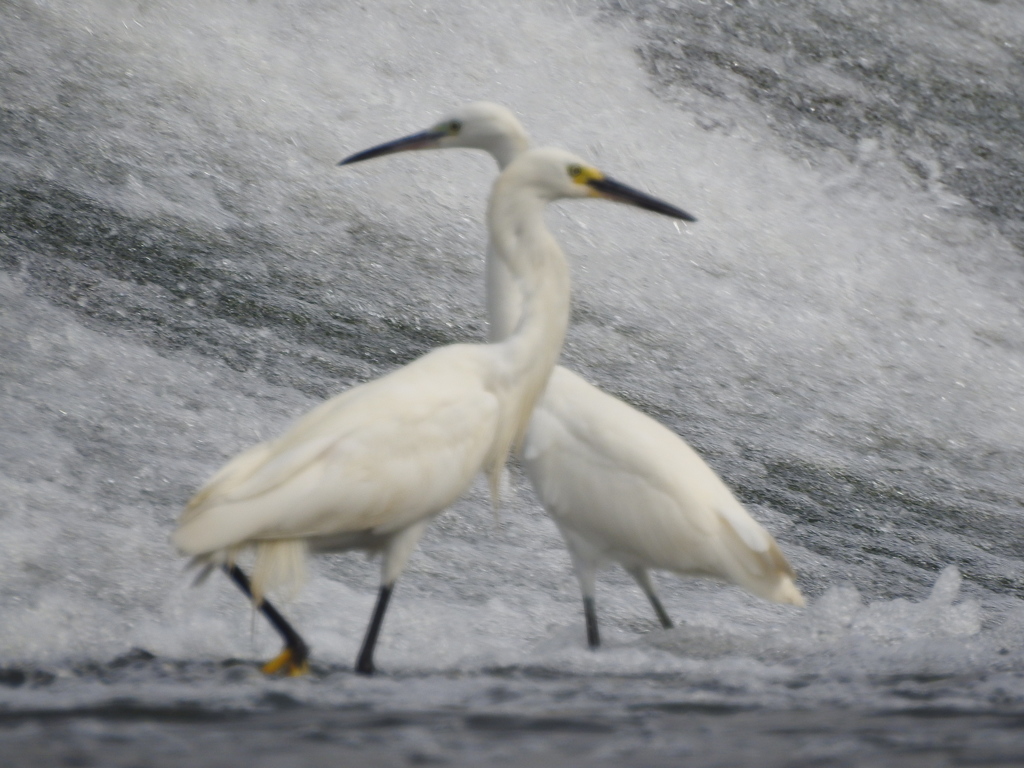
[(584, 174)]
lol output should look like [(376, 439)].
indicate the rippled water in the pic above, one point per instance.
[(185, 270)]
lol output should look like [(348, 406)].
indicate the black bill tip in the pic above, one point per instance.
[(421, 140), (615, 190)]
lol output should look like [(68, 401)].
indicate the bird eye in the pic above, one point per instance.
[(575, 170), (454, 127)]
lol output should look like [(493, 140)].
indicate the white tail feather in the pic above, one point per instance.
[(279, 563)]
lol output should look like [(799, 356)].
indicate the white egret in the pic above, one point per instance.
[(370, 467), (620, 486)]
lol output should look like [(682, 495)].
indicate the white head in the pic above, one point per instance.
[(480, 125), (552, 174)]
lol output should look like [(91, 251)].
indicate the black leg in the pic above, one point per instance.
[(666, 622), (364, 665), (590, 612), (643, 580), (296, 651)]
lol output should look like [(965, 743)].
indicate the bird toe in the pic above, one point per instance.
[(287, 663)]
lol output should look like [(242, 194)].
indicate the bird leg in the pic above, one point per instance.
[(666, 622), (643, 579), (294, 659), (364, 665), (590, 612)]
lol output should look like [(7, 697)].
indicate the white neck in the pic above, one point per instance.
[(538, 278), (504, 303), (507, 147), (504, 299)]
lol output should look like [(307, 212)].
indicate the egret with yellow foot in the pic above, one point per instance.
[(369, 468)]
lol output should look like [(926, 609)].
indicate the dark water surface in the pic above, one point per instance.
[(517, 718), (131, 736)]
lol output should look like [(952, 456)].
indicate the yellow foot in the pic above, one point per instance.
[(285, 663)]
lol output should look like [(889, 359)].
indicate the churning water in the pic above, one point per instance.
[(185, 270)]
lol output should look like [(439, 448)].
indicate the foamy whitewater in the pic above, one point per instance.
[(185, 270)]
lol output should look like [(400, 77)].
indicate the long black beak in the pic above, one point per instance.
[(619, 192), (421, 140)]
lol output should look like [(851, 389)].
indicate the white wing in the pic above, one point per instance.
[(386, 453), (638, 494)]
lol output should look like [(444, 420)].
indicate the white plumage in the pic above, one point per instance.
[(624, 488), (376, 459)]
